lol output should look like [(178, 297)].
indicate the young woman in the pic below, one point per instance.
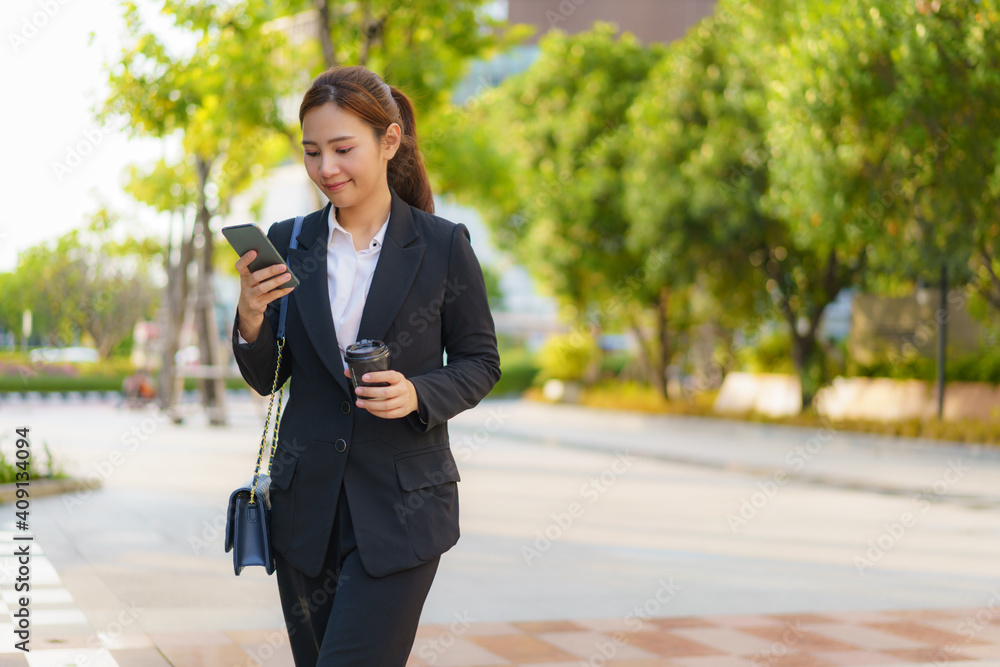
[(364, 496)]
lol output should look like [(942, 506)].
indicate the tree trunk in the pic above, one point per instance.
[(323, 32), (213, 388), (663, 340), (370, 32), (173, 314), (808, 360), (991, 291), (593, 371), (647, 363)]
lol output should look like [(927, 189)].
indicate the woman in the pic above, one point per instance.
[(364, 496)]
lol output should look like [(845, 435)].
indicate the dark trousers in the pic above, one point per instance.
[(345, 617)]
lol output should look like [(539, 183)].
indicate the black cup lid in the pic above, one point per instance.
[(365, 348)]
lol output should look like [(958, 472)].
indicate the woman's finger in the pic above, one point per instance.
[(382, 408), (244, 261), (261, 275), (392, 377), (277, 281)]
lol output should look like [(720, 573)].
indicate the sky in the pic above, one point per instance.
[(60, 165)]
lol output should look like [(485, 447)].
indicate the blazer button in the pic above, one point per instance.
[(345, 407), (341, 445)]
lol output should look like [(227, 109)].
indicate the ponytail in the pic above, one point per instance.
[(362, 92), (406, 171)]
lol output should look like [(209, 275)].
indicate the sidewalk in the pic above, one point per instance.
[(135, 574), (61, 636)]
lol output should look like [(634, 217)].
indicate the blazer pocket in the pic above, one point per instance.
[(282, 502), (427, 468), (428, 504), (283, 467)]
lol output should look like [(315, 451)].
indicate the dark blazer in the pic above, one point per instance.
[(427, 296)]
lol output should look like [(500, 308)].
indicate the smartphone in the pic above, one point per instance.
[(245, 238)]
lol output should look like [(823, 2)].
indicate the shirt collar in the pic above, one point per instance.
[(376, 241)]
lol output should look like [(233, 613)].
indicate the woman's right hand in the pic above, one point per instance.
[(258, 289)]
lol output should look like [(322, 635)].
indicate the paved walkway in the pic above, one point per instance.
[(62, 637), (135, 575)]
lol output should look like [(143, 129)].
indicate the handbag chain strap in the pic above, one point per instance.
[(294, 243), (267, 421)]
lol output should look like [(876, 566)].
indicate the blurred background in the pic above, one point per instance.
[(693, 217), (776, 210)]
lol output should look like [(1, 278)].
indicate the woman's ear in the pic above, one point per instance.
[(391, 141)]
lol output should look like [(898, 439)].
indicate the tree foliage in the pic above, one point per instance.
[(775, 155), (82, 283)]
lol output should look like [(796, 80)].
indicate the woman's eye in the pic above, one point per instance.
[(312, 153), (344, 151)]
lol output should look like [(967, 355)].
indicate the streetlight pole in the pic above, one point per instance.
[(942, 317)]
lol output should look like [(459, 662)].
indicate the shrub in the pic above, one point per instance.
[(566, 357), (517, 371), (772, 353), (980, 366)]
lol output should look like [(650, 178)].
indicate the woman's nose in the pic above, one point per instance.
[(329, 167)]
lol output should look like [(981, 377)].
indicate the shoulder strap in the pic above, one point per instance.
[(284, 300)]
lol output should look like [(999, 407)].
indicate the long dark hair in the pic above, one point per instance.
[(362, 92)]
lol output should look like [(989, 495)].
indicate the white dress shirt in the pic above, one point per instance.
[(349, 277)]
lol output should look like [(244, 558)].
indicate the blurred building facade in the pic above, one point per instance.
[(882, 325), (649, 20)]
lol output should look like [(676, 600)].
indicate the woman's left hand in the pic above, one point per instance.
[(396, 400)]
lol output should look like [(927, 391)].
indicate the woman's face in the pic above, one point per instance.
[(341, 155)]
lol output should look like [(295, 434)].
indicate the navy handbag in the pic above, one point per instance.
[(248, 519)]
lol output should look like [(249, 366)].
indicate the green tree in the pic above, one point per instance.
[(423, 47), (883, 137), (220, 99), (83, 283), (943, 199), (548, 182), (695, 172)]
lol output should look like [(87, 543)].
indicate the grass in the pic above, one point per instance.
[(10, 468)]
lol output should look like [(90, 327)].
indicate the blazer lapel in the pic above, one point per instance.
[(312, 296), (397, 266)]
